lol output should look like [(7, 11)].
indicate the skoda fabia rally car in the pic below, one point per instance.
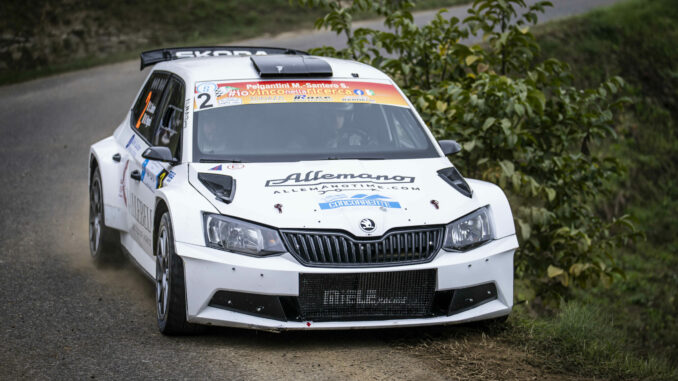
[(266, 188)]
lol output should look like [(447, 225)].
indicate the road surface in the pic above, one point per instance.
[(64, 319)]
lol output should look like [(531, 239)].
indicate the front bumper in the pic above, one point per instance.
[(208, 271)]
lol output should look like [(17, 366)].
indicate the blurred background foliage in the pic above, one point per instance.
[(523, 123), (636, 40)]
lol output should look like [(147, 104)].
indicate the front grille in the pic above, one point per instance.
[(365, 296), (336, 249)]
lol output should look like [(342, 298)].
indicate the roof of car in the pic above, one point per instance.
[(242, 67)]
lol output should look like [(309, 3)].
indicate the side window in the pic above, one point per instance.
[(144, 111), (168, 130)]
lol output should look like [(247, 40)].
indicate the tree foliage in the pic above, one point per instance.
[(522, 122)]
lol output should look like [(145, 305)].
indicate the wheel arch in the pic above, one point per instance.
[(111, 172), (501, 209), (93, 164), (160, 208), (186, 207)]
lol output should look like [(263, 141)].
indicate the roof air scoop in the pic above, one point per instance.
[(453, 177), (291, 66), (222, 186)]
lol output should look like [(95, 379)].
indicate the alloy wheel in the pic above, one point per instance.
[(162, 272)]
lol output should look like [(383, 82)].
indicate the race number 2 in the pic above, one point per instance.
[(206, 100)]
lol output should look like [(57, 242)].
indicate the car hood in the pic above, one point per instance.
[(339, 194)]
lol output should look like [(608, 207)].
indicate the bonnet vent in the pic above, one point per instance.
[(453, 177), (222, 186)]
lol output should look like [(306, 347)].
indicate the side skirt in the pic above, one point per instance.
[(140, 259)]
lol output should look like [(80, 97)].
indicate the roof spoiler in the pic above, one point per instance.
[(152, 57)]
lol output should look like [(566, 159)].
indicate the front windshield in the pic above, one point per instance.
[(301, 126)]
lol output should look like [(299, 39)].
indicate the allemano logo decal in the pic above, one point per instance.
[(318, 178)]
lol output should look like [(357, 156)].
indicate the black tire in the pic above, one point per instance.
[(104, 242), (170, 300)]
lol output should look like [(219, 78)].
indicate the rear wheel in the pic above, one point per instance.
[(104, 242), (169, 284)]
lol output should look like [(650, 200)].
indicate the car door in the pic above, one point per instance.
[(143, 174)]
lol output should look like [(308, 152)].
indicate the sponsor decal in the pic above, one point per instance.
[(151, 173), (141, 212), (257, 92), (341, 201), (148, 100), (161, 179), (359, 297), (122, 193), (143, 169), (359, 187), (358, 100), (223, 90), (318, 178), (133, 146), (187, 109), (168, 178), (220, 167), (307, 98), (143, 237), (229, 101), (266, 99), (206, 87)]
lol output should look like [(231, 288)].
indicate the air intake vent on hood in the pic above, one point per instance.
[(454, 178), (223, 186), (291, 66)]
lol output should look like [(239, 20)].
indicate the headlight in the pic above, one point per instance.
[(241, 237), (469, 231)]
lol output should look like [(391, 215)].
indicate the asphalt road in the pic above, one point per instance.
[(63, 318)]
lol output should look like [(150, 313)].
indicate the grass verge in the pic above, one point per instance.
[(636, 40)]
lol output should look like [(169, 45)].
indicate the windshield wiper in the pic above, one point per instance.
[(219, 161)]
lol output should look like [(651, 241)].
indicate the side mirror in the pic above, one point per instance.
[(159, 153), (449, 147)]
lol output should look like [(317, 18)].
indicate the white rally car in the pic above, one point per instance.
[(265, 188)]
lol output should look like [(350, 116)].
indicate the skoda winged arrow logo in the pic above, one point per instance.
[(367, 225)]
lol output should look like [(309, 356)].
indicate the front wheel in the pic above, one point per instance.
[(169, 284)]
